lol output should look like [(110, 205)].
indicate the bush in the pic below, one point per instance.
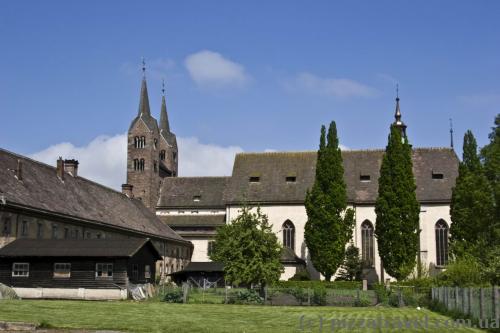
[(382, 293), (362, 302), (301, 275), (463, 272), (300, 294), (173, 296), (248, 296), (346, 285), (319, 295)]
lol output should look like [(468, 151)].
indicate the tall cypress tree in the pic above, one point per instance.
[(472, 205), (329, 225), (397, 208)]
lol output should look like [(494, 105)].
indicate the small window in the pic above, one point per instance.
[(62, 270), (20, 269), (181, 212), (98, 235), (194, 212), (162, 155), (147, 272), (254, 179), (88, 235), (210, 247), (364, 178), (291, 179), (196, 198), (436, 175), (54, 231), (66, 233), (24, 228), (104, 270), (155, 142), (135, 271), (6, 226), (77, 234), (39, 230)]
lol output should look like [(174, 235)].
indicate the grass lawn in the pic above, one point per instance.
[(162, 317)]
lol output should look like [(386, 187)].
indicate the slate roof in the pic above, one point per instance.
[(193, 220), (76, 198), (273, 168), (206, 266), (181, 192), (288, 256), (111, 248)]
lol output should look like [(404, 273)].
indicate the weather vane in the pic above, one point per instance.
[(397, 90), (143, 66), (163, 86)]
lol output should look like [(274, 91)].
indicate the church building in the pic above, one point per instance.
[(277, 182)]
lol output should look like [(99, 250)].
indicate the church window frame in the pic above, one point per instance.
[(367, 244), (288, 229), (163, 154), (441, 231)]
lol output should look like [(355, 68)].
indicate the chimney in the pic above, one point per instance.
[(19, 170), (60, 168), (71, 167), (127, 190)]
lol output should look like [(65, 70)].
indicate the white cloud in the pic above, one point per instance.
[(104, 159), (337, 87), (209, 69)]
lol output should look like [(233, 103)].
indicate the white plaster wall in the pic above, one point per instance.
[(200, 251), (288, 273), (429, 215)]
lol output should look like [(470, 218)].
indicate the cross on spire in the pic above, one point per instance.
[(143, 66), (163, 86)]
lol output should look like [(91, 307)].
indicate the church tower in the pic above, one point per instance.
[(168, 143), (143, 152), (397, 115)]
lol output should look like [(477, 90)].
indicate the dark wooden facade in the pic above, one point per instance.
[(129, 265)]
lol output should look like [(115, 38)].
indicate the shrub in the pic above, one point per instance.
[(362, 302), (347, 285), (463, 272), (301, 275), (300, 294), (173, 296), (319, 295), (248, 296), (382, 293)]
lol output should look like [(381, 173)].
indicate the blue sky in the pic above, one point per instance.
[(255, 75)]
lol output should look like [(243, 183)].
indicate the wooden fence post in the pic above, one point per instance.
[(481, 303), (471, 301), (456, 298), (464, 299), (496, 303)]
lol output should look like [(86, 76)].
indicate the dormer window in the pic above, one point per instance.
[(196, 198), (291, 179), (364, 178), (254, 179), (437, 175)]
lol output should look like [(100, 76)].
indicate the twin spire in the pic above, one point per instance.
[(144, 110)]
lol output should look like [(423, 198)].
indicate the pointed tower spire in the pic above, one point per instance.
[(164, 126), (397, 115), (144, 102), (451, 133)]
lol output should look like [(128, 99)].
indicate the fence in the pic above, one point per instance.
[(479, 303), (275, 296)]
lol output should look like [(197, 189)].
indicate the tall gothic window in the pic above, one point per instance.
[(288, 235), (139, 164), (441, 229), (136, 142), (367, 249), (163, 153)]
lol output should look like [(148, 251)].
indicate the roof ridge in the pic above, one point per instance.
[(198, 177)]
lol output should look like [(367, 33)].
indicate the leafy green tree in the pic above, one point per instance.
[(472, 206), (351, 268), (490, 155), (249, 249), (329, 223), (397, 208)]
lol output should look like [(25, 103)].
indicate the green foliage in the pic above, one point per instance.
[(249, 249), (319, 295), (472, 206), (301, 275), (248, 296), (362, 302), (382, 293), (397, 208), (351, 269), (490, 155), (491, 271), (346, 285), (173, 296), (329, 224), (465, 271)]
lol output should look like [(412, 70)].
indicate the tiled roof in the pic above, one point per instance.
[(192, 192), (111, 248), (75, 197), (272, 170)]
